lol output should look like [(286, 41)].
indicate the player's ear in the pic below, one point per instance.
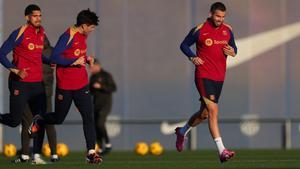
[(27, 17)]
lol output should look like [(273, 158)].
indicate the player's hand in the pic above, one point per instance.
[(228, 50), (21, 73), (197, 61), (97, 85), (79, 62), (53, 66), (91, 60)]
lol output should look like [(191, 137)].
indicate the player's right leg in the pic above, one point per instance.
[(18, 100), (194, 120), (63, 101)]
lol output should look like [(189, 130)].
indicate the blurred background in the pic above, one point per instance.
[(138, 41)]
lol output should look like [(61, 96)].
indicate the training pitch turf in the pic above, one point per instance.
[(245, 159)]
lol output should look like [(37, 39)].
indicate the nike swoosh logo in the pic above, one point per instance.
[(249, 48), (252, 46)]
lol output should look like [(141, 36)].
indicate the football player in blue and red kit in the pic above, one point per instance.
[(72, 81), (25, 79), (214, 42)]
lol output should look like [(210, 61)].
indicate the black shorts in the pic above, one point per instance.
[(209, 89)]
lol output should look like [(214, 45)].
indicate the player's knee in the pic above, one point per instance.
[(204, 115), (213, 113)]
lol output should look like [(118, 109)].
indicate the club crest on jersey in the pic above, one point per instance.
[(208, 42), (224, 33), (30, 46), (77, 52), (60, 97), (16, 92)]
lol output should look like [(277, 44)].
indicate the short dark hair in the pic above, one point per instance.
[(217, 6), (87, 17), (30, 8), (96, 61)]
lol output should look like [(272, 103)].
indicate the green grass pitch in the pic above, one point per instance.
[(202, 159)]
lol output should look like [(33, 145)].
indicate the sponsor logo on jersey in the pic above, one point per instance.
[(220, 42), (39, 46)]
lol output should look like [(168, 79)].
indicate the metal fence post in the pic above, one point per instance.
[(192, 143), (287, 134)]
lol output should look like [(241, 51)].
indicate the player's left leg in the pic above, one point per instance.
[(103, 116), (211, 101), (51, 133), (198, 117), (38, 104), (63, 102), (97, 117), (24, 155), (83, 101)]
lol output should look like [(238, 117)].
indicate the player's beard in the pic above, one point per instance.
[(217, 23), (36, 24)]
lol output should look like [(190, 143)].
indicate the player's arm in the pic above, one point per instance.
[(109, 86), (230, 49), (13, 40), (7, 47), (188, 41), (47, 50), (90, 60), (94, 83), (59, 48)]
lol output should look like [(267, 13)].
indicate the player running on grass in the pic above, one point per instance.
[(25, 79), (214, 42), (72, 81)]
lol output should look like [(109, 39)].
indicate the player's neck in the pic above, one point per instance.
[(37, 28), (78, 29)]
